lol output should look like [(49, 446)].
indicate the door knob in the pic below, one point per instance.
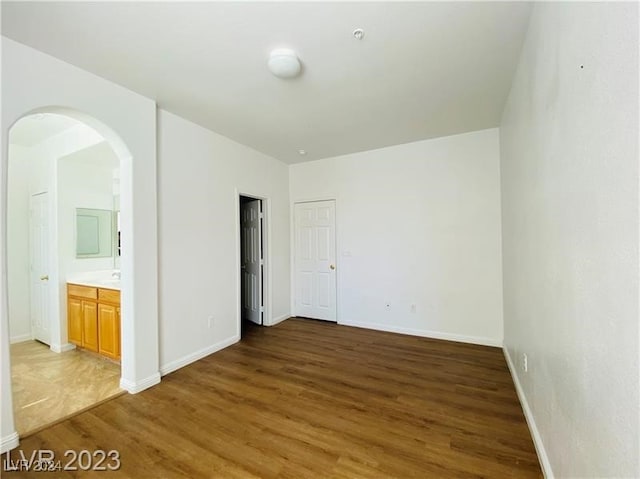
[(332, 266), (44, 278)]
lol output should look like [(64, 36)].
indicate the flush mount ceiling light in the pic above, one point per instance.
[(302, 152), (358, 34), (284, 63)]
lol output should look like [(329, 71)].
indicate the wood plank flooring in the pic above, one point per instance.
[(308, 399), (48, 386)]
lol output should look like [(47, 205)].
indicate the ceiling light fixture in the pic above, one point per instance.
[(284, 63), (358, 33), (302, 152)]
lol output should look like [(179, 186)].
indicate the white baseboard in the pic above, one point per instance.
[(531, 422), (9, 442), (62, 348), (20, 338), (279, 319), (483, 341), (197, 355), (134, 387)]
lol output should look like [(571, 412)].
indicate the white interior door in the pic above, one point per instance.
[(315, 260), (252, 261), (39, 238)]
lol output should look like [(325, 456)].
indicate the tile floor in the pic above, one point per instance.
[(48, 386)]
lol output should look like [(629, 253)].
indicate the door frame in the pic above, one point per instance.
[(266, 251), (292, 256), (255, 268)]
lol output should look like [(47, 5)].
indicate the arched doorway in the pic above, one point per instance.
[(62, 204), (133, 331)]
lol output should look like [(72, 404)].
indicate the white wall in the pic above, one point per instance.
[(569, 146), (199, 173), (34, 81), (416, 224), (18, 266), (84, 180)]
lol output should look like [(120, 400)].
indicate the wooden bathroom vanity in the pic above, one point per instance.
[(93, 319)]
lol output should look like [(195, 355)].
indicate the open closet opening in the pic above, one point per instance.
[(252, 262)]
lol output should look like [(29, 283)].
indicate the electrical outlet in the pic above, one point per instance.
[(525, 362), (211, 321), (413, 308)]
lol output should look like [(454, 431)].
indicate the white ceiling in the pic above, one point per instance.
[(423, 70), (99, 154), (34, 129)]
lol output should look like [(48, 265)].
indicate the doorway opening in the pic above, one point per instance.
[(252, 262), (63, 206)]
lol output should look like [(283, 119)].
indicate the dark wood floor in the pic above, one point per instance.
[(313, 399)]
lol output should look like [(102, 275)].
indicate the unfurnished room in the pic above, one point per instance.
[(320, 239)]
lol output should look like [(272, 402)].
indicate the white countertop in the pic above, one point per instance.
[(96, 279)]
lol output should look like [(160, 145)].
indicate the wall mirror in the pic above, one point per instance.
[(94, 233)]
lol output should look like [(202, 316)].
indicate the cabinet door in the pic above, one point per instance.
[(74, 320), (90, 323), (109, 330)]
